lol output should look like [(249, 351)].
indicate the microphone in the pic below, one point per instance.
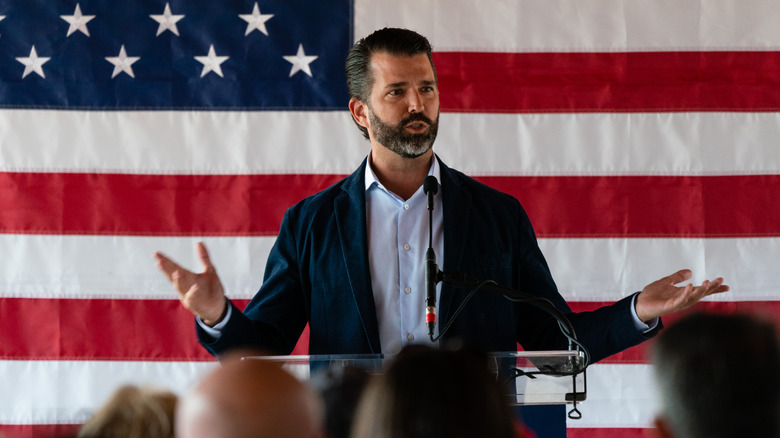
[(430, 187)]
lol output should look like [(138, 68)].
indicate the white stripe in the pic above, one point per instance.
[(583, 268), (52, 266), (619, 395), (572, 25), (170, 142), (226, 142), (68, 392), (45, 266), (611, 144)]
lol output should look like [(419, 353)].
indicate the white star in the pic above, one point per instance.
[(300, 61), (256, 20), (122, 63), (33, 63), (77, 21), (211, 62), (167, 21)]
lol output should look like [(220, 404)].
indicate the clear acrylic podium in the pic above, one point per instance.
[(530, 377)]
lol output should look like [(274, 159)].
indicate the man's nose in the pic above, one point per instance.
[(415, 102)]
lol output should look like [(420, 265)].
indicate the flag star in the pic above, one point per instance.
[(211, 62), (33, 63), (167, 21), (122, 63), (300, 62), (77, 21), (256, 20)]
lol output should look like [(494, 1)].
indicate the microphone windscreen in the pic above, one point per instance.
[(431, 184)]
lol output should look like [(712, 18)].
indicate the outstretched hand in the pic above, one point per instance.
[(663, 297), (202, 294)]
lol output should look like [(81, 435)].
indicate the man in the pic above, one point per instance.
[(717, 376), (249, 399), (349, 260)]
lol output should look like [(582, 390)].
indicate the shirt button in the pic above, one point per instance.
[(408, 290), (406, 206), (410, 337), (407, 247)]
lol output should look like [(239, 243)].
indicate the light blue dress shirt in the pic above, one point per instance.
[(397, 241)]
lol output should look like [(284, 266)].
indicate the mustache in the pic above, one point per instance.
[(416, 117)]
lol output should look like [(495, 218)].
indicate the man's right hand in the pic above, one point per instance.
[(202, 294)]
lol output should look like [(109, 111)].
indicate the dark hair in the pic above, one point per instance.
[(718, 376), (434, 393), (393, 41), (340, 389)]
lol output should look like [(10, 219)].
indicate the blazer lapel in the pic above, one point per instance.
[(350, 215), (456, 203)]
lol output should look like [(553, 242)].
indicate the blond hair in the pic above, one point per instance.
[(133, 412)]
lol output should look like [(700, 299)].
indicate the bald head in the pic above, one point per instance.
[(249, 398)]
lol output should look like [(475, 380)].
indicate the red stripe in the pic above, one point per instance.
[(640, 354), (252, 205), (39, 430), (601, 82), (162, 330), (606, 432), (127, 204), (70, 430), (648, 206)]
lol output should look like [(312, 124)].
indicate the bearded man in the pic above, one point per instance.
[(349, 260)]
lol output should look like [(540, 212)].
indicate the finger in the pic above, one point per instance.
[(203, 255), (166, 265), (680, 276), (717, 286), (181, 281)]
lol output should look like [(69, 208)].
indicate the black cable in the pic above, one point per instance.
[(458, 310)]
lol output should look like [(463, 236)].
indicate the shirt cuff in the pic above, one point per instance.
[(641, 326), (216, 331)]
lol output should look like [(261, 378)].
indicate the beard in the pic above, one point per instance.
[(395, 137)]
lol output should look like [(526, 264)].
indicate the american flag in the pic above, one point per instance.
[(641, 137)]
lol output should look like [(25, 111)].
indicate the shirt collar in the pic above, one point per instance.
[(370, 177)]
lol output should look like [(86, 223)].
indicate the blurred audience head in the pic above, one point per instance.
[(432, 393), (340, 389), (246, 398), (133, 412), (718, 376)]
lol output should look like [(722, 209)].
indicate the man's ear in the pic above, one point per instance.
[(359, 111)]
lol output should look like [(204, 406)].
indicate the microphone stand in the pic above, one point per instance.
[(433, 276)]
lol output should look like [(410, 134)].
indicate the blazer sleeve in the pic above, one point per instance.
[(276, 316)]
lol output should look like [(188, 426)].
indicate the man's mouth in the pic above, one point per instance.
[(416, 126)]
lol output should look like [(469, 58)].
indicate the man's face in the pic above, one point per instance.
[(403, 109), (399, 140)]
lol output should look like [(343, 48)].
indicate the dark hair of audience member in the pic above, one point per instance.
[(133, 412), (718, 375), (340, 389), (433, 393)]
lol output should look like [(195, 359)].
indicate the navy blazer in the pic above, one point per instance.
[(318, 273)]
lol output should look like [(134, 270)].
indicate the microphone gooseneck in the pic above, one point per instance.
[(430, 188)]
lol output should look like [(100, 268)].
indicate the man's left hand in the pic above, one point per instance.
[(663, 297)]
